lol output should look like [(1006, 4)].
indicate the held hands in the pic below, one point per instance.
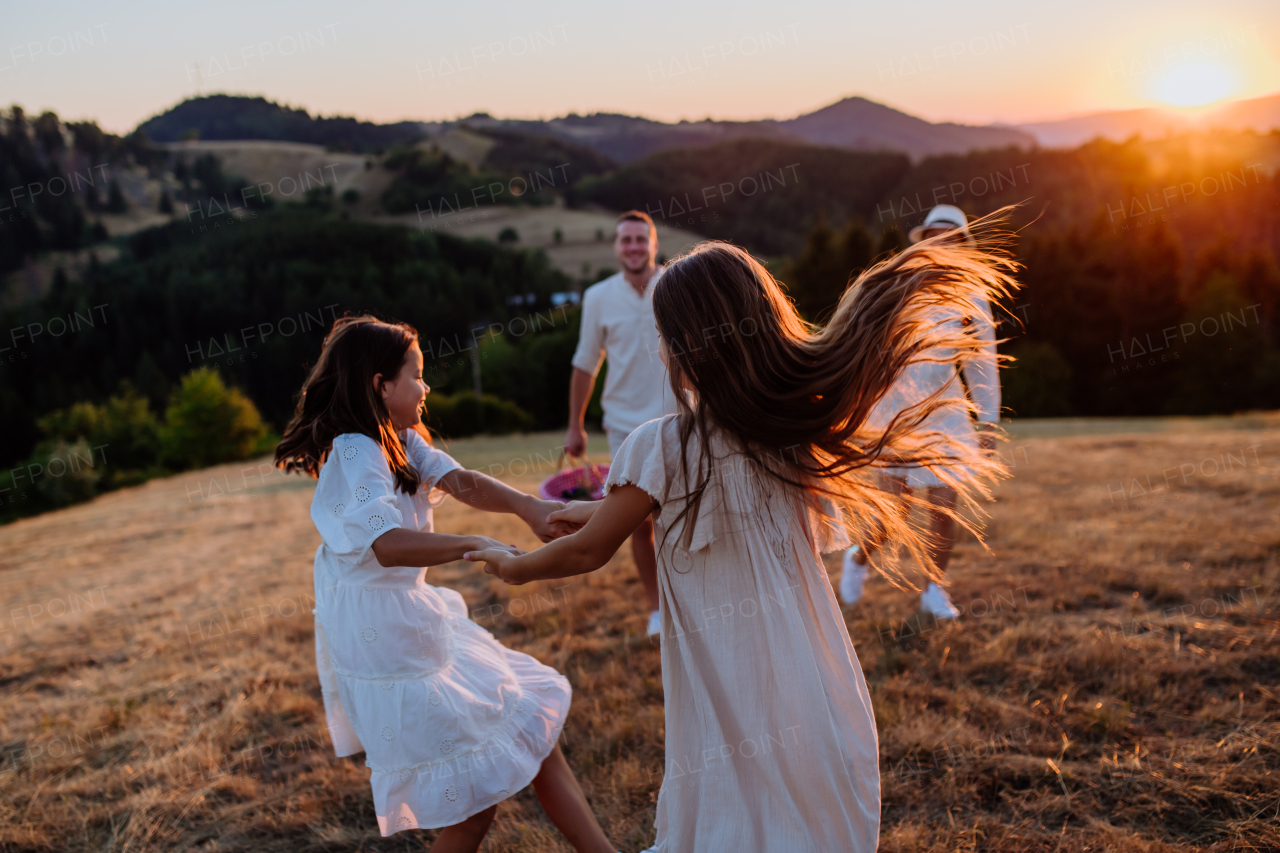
[(479, 543), (498, 562), (560, 520), (574, 515), (539, 516), (552, 519)]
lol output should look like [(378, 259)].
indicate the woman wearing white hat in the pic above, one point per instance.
[(918, 382)]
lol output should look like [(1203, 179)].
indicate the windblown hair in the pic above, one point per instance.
[(795, 399), (339, 397)]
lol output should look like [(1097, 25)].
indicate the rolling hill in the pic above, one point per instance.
[(853, 123), (863, 125), (234, 117)]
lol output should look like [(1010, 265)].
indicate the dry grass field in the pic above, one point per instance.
[(266, 162), (1114, 683), (578, 254)]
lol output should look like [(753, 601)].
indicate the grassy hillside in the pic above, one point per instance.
[(514, 169), (1113, 683)]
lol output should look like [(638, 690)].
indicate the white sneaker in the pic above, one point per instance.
[(852, 576), (935, 601), (655, 623)]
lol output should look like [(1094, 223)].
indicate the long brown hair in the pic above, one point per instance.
[(338, 397), (795, 398)]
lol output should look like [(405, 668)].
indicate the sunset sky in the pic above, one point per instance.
[(974, 62)]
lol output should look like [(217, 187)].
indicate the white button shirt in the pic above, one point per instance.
[(617, 323)]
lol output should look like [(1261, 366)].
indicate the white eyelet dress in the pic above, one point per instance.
[(450, 721)]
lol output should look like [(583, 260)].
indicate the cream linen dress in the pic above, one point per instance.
[(450, 721), (770, 740)]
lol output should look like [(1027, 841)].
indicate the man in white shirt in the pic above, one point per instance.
[(618, 324), (917, 383)]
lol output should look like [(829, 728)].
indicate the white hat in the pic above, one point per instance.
[(942, 216)]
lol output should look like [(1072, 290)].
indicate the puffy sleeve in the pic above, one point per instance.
[(431, 464), (980, 371), (363, 493), (642, 460)]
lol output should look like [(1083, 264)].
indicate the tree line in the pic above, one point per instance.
[(1150, 273)]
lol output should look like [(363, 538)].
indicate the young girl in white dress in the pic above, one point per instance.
[(770, 738), (450, 721)]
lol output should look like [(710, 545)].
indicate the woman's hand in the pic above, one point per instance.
[(574, 515), (497, 562)]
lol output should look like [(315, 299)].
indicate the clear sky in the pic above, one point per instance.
[(977, 62)]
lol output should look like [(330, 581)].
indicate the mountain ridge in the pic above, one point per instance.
[(854, 123)]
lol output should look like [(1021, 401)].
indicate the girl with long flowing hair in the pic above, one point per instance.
[(770, 739)]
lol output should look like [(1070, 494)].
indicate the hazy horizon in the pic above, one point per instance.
[(996, 62)]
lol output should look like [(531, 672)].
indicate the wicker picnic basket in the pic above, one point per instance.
[(584, 482)]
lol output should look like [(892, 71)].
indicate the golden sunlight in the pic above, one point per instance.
[(1196, 83)]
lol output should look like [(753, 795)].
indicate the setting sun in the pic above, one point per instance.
[(1196, 83)]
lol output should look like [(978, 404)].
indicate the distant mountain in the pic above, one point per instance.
[(863, 125), (855, 124), (234, 117), (1260, 114), (1116, 126)]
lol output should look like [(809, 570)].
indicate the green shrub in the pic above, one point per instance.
[(207, 423), (463, 414), (130, 431), (64, 474), (124, 426), (123, 434)]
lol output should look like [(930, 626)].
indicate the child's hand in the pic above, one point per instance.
[(574, 516), (497, 561), (483, 543), (536, 516)]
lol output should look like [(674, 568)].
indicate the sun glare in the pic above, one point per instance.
[(1196, 83)]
